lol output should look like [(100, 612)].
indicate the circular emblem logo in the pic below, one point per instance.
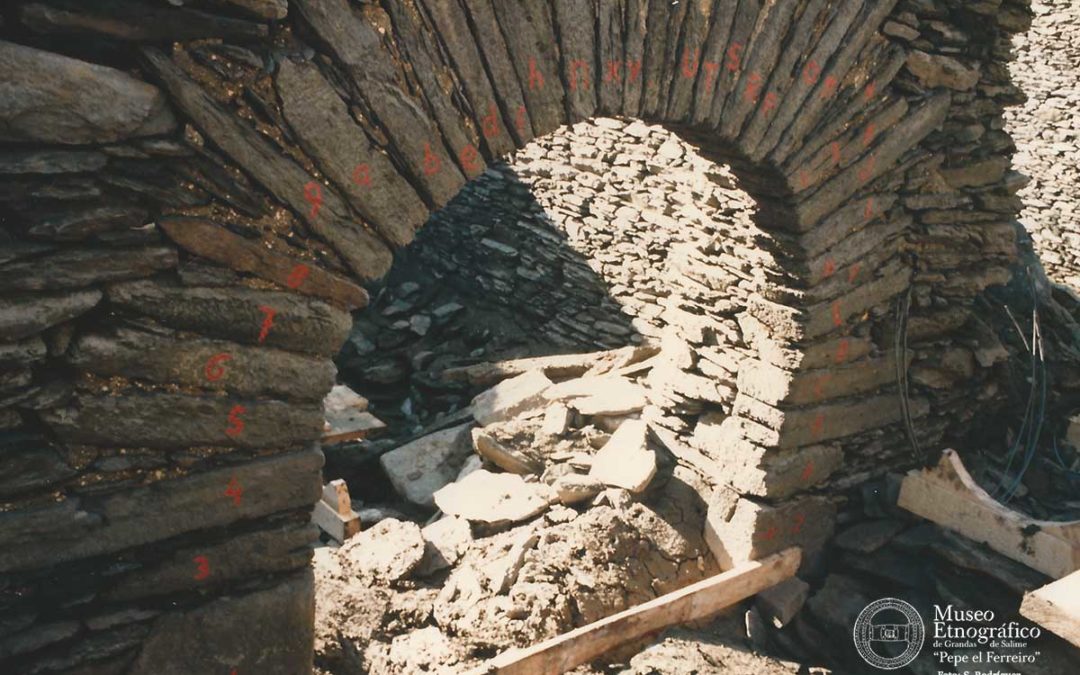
[(894, 640)]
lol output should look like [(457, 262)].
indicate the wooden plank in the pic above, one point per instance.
[(346, 417), (339, 527), (697, 601), (1056, 607), (556, 367), (947, 495), (216, 243)]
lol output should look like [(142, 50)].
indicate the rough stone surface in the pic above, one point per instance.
[(420, 468)]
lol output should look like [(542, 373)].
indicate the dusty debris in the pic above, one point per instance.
[(445, 541), (625, 460), (389, 551)]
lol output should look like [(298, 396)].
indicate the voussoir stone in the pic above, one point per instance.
[(49, 98), (299, 323), (26, 315)]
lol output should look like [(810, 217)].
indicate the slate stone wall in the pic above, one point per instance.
[(191, 195)]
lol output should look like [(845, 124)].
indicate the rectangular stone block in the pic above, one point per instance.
[(738, 529)]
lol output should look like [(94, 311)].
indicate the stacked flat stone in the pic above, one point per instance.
[(318, 136)]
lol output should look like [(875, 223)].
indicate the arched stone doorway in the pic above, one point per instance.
[(296, 152)]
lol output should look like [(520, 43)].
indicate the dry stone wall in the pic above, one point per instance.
[(191, 195)]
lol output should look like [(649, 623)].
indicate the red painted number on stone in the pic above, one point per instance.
[(297, 276), (837, 318), (753, 88), (536, 78), (835, 149), (490, 123), (202, 567), (811, 73), (361, 175), (268, 321), (804, 180), (853, 273), (734, 57), (871, 90), (800, 519), (842, 351), (867, 171), (690, 64), (313, 195), (817, 427), (236, 425), (432, 162), (519, 119), (470, 158), (215, 369), (234, 490), (769, 534), (828, 269), (868, 210), (633, 69), (612, 72), (579, 75), (831, 85), (771, 102), (808, 471)]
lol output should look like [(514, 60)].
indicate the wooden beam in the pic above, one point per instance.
[(697, 601), (947, 495), (1056, 607), (333, 513)]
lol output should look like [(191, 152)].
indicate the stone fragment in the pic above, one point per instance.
[(26, 315), (51, 161), (122, 20), (502, 455), (780, 603), (573, 488), (868, 536), (75, 268), (488, 497), (387, 552), (557, 419), (977, 173), (738, 529), (49, 98), (625, 460), (445, 541), (419, 468), (939, 70), (510, 397)]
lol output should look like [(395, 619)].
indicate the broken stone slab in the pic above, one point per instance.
[(74, 225), (510, 398), (557, 367), (298, 323), (421, 467), (131, 21), (868, 536), (47, 162), (445, 541), (939, 70), (489, 446), (607, 396), (780, 603), (26, 315), (213, 242), (75, 268), (208, 364), (557, 419), (50, 98), (493, 498), (165, 420), (574, 488), (626, 461), (22, 353), (739, 529), (387, 552)]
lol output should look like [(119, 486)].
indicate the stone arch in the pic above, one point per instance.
[(834, 117)]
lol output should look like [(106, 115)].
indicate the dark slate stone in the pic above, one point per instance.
[(132, 21), (637, 12), (733, 66), (29, 464), (247, 371), (83, 527), (22, 353), (576, 27), (418, 45), (661, 52), (376, 82), (488, 38), (689, 67), (160, 420), (75, 268), (713, 73), (50, 98), (364, 252), (300, 323), (530, 40), (27, 315), (492, 115), (327, 132), (51, 161), (609, 55), (82, 223), (261, 9), (284, 643)]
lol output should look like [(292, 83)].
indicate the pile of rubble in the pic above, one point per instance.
[(558, 506)]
